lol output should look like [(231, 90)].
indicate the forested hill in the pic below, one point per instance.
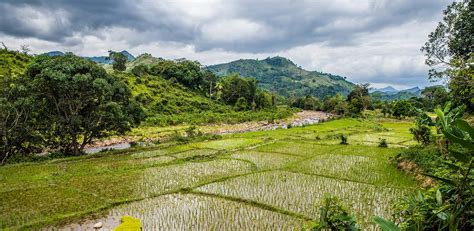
[(285, 77)]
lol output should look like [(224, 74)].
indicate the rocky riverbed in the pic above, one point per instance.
[(299, 119)]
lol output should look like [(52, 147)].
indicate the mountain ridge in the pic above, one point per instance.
[(283, 76)]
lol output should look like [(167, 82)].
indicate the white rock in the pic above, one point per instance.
[(98, 225)]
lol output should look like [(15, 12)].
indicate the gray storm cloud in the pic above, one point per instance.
[(238, 27)]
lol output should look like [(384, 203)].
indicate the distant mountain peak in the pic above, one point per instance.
[(281, 75), (279, 61), (54, 53), (387, 89), (130, 57)]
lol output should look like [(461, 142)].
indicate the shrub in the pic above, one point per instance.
[(421, 134), (334, 216), (343, 139), (383, 143)]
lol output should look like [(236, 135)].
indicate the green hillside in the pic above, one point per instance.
[(286, 78), (160, 96), (12, 62)]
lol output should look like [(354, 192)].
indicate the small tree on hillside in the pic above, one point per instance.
[(359, 99), (118, 60)]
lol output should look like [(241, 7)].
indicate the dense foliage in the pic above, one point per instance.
[(334, 216), (449, 51), (118, 60), (63, 103)]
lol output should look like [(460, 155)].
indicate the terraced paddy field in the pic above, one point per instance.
[(265, 180)]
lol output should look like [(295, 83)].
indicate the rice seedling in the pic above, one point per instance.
[(265, 160), (302, 193), (297, 148), (285, 169), (194, 153), (227, 144), (167, 178), (197, 212), (354, 168)]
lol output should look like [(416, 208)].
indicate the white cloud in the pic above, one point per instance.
[(231, 30), (367, 41)]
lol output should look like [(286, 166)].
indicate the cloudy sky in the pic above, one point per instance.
[(375, 41)]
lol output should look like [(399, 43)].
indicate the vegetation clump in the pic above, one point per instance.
[(334, 216), (383, 143), (343, 139)]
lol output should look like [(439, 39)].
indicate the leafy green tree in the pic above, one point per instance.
[(449, 206), (140, 70), (241, 104), (233, 87), (434, 96), (449, 51), (17, 135), (359, 99), (78, 101), (16, 120), (263, 99), (335, 104), (402, 108), (312, 103), (118, 60)]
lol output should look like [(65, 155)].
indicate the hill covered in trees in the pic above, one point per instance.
[(281, 75)]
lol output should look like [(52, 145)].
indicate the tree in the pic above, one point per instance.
[(233, 87), (16, 122), (241, 104), (78, 101), (359, 99), (434, 96), (118, 60), (335, 104), (449, 51), (402, 108), (140, 70), (311, 103), (263, 99)]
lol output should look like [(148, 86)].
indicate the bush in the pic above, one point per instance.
[(343, 139), (383, 143), (334, 216), (422, 134)]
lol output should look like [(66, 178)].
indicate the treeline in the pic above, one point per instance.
[(61, 103), (234, 90), (353, 104), (359, 100)]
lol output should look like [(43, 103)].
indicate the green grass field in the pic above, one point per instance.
[(255, 180)]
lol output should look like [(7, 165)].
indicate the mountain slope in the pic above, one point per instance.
[(389, 93), (13, 63), (284, 77)]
